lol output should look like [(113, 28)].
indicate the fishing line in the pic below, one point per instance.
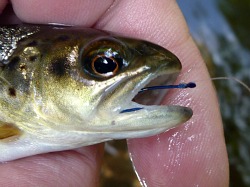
[(229, 79), (233, 78), (183, 86), (192, 84)]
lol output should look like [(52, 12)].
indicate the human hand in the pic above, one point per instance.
[(192, 154)]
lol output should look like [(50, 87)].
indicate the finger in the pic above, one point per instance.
[(8, 16), (83, 12), (68, 168), (194, 153), (3, 3)]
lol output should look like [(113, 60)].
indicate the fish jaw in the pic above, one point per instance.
[(150, 119)]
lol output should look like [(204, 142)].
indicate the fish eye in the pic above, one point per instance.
[(104, 66), (104, 58)]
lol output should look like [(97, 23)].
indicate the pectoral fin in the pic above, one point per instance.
[(8, 130)]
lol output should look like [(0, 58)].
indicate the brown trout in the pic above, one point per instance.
[(66, 87)]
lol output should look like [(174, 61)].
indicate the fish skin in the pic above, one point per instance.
[(56, 93)]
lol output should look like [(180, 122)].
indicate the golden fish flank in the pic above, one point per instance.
[(65, 87)]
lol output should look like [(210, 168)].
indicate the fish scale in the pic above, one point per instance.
[(10, 36)]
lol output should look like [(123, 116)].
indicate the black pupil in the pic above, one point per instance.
[(104, 65)]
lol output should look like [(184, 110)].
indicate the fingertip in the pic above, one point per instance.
[(177, 158)]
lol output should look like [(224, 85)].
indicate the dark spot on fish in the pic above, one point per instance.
[(23, 67), (59, 67), (32, 58), (12, 92), (62, 38), (32, 44), (13, 63)]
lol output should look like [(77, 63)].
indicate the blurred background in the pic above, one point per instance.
[(221, 29)]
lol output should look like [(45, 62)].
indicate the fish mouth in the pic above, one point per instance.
[(148, 100), (143, 114), (153, 97)]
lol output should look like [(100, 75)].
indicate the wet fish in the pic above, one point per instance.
[(67, 87)]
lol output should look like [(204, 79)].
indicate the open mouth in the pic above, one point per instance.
[(151, 95)]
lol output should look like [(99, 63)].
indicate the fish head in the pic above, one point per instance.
[(67, 87), (94, 80)]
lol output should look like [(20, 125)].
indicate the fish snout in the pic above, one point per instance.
[(159, 58)]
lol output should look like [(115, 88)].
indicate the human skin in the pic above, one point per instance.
[(193, 154)]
